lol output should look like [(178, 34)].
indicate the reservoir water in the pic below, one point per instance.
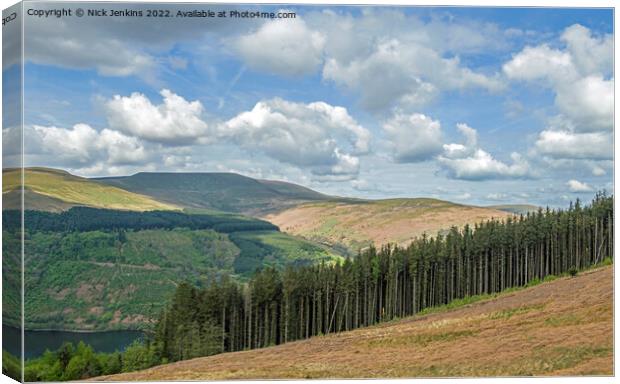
[(36, 342)]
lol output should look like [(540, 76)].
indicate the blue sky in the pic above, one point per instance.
[(474, 105)]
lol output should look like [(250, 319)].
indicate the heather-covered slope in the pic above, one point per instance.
[(560, 328)]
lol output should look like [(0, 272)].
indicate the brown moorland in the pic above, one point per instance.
[(398, 221), (559, 328)]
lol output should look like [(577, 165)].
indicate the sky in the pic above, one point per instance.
[(473, 105)]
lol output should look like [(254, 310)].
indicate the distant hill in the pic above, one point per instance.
[(517, 209), (228, 192), (55, 190), (522, 333), (353, 225)]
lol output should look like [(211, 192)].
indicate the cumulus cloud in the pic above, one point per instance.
[(470, 162), (386, 57), (400, 73), (83, 145), (563, 144), (540, 62), (577, 186), (414, 137), (318, 136), (579, 76), (588, 102), (282, 46), (591, 54), (121, 149), (576, 74), (175, 121)]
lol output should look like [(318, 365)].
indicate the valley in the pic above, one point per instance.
[(225, 265), (104, 288), (107, 254)]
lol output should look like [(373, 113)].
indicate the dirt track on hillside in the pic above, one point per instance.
[(564, 327)]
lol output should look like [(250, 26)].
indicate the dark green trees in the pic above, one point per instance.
[(383, 284)]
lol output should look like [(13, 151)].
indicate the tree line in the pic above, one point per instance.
[(383, 284), (84, 219), (80, 361)]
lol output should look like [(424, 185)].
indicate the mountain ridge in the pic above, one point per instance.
[(223, 191)]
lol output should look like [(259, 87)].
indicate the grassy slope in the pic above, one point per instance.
[(88, 281), (563, 328), (356, 224), (54, 190), (227, 192)]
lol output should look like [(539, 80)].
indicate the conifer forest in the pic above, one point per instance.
[(383, 284)]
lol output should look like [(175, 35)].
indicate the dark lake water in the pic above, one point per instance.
[(38, 341)]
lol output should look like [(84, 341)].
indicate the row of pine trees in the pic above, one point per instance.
[(380, 285)]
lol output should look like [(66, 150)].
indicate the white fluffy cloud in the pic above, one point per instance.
[(540, 62), (576, 74), (282, 46), (579, 76), (414, 137), (394, 72), (121, 149), (588, 102), (174, 122), (84, 145), (318, 136), (577, 186), (469, 162), (563, 144), (590, 54), (386, 57)]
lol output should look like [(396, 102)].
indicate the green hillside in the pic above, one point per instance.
[(227, 192), (93, 269), (54, 190)]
